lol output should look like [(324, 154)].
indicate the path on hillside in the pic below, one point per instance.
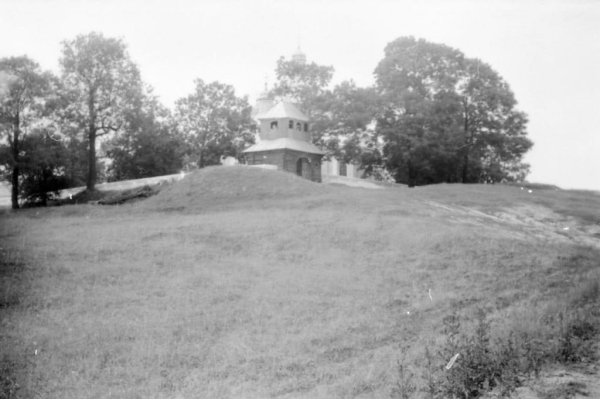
[(526, 220), (561, 382)]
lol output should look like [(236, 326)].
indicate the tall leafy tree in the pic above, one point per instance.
[(148, 145), (104, 83), (339, 117), (494, 131), (446, 118), (352, 112), (410, 79), (25, 88), (43, 170), (306, 84), (214, 122)]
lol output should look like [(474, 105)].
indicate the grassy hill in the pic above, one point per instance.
[(249, 283)]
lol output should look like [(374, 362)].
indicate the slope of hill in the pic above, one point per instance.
[(217, 187), (243, 283)]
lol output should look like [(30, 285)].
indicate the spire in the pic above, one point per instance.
[(265, 93)]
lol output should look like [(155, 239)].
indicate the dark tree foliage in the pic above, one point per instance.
[(446, 118), (147, 146), (43, 173), (339, 117), (24, 91), (103, 83), (352, 111), (214, 122), (306, 84), (494, 132)]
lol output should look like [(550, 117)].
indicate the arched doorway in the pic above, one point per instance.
[(303, 168)]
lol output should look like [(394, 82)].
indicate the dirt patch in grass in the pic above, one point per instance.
[(85, 197), (527, 220)]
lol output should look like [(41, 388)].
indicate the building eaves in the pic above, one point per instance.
[(285, 143)]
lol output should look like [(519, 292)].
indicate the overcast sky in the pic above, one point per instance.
[(548, 51)]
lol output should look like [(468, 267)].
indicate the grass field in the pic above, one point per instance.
[(239, 283)]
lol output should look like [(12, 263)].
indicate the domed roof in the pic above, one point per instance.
[(299, 56)]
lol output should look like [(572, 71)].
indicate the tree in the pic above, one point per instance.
[(339, 118), (446, 118), (493, 130), (43, 170), (148, 146), (21, 108), (214, 122), (307, 85), (5, 80), (104, 83), (352, 112)]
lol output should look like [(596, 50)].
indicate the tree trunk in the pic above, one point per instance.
[(15, 171), (203, 146), (465, 171), (201, 160), (15, 187), (411, 175), (44, 188), (91, 180)]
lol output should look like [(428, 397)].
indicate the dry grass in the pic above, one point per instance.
[(246, 283)]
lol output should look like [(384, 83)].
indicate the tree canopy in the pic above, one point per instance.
[(447, 118), (433, 115), (25, 88), (148, 145), (339, 116), (214, 122), (103, 83), (306, 84)]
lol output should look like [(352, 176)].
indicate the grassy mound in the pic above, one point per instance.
[(218, 187), (278, 287)]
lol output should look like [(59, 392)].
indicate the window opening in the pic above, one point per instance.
[(342, 169)]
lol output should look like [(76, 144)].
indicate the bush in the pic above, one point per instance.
[(562, 331), (480, 366), (404, 388)]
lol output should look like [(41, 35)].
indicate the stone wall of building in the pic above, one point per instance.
[(266, 157), (291, 162), (287, 160)]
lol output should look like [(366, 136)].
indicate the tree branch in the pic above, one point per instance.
[(108, 128)]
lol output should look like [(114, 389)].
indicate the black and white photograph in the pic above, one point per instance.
[(318, 199)]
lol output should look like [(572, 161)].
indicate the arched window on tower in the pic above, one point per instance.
[(273, 125), (299, 126), (291, 125)]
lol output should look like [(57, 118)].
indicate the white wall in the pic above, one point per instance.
[(332, 168)]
